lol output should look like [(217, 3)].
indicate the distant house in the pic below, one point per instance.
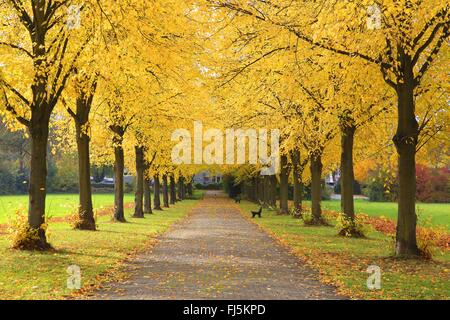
[(333, 178), (205, 178)]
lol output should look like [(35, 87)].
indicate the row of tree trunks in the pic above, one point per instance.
[(261, 189), (267, 190), (143, 194)]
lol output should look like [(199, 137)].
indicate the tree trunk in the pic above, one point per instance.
[(266, 189), (86, 211), (347, 176), (157, 191), (38, 128), (256, 186), (284, 185), (298, 184), (316, 188), (165, 192), (183, 190), (180, 188), (255, 189), (251, 191), (37, 188), (119, 165), (273, 191), (139, 193), (173, 193), (260, 190), (405, 141), (189, 190), (147, 197)]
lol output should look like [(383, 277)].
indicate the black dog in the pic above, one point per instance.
[(237, 199), (257, 213)]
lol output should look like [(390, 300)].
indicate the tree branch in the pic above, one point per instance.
[(17, 93), (24, 16), (433, 53), (339, 51), (58, 93), (427, 43), (14, 46), (437, 16), (252, 63), (13, 111), (386, 78)]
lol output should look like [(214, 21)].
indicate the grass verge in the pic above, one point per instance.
[(36, 275), (57, 205), (343, 262), (429, 214)]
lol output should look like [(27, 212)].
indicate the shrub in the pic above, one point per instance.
[(308, 219), (350, 227), (76, 222), (22, 235), (433, 185), (376, 191)]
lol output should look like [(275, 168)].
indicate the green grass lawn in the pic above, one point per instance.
[(434, 213), (343, 261), (58, 205), (34, 275)]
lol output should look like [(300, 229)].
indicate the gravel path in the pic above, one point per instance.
[(217, 254)]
